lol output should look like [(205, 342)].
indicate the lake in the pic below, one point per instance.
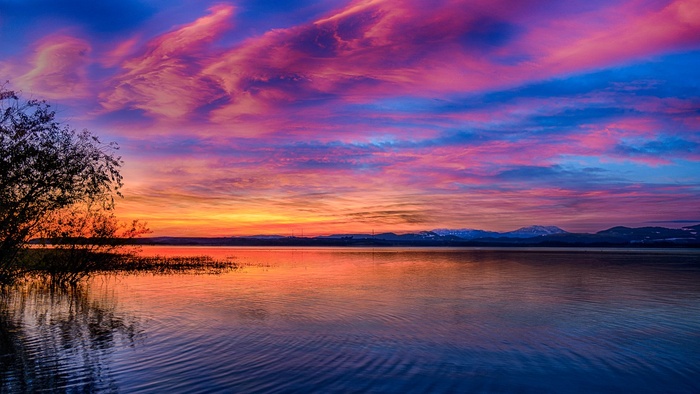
[(366, 320)]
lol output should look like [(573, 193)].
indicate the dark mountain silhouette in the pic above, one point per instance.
[(548, 236), (646, 233)]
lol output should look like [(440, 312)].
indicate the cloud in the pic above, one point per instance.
[(638, 34), (362, 50), (56, 69), (119, 52), (663, 149), (165, 80)]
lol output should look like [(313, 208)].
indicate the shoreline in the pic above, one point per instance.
[(425, 248)]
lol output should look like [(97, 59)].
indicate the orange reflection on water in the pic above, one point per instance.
[(351, 282)]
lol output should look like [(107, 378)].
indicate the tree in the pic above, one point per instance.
[(47, 168), (84, 238)]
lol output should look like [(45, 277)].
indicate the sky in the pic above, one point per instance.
[(309, 117)]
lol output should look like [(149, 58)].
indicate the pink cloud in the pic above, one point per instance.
[(675, 27), (55, 70), (374, 49), (371, 48), (165, 80), (120, 52), (363, 51)]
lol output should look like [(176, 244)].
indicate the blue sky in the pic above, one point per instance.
[(256, 117)]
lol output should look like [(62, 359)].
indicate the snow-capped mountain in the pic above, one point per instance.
[(523, 232), (533, 231), (466, 233)]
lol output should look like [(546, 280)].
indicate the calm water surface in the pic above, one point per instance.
[(366, 320)]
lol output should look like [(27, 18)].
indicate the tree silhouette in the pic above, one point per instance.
[(47, 168)]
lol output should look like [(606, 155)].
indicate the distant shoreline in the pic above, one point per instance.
[(526, 237), (508, 249), (331, 242)]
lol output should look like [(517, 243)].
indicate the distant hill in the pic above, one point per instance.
[(693, 229), (421, 236), (523, 232), (553, 236), (466, 233), (533, 231), (649, 233)]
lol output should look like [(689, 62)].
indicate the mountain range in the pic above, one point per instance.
[(553, 236), (523, 232)]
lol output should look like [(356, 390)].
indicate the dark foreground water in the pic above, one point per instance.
[(363, 320)]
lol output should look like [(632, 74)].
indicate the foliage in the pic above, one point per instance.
[(81, 239), (54, 182)]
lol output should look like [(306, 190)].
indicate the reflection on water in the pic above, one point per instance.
[(358, 320), (59, 339)]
